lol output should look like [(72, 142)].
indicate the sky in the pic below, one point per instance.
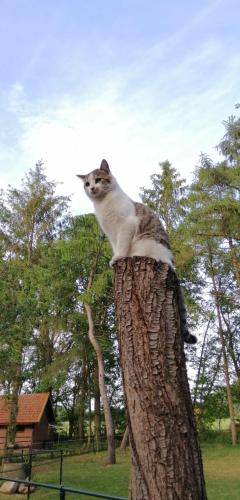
[(133, 81)]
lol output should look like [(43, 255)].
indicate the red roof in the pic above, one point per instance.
[(30, 408)]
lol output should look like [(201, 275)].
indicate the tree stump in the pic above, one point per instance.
[(166, 459)]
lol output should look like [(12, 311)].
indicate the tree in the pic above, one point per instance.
[(230, 143), (29, 217), (166, 461), (84, 242), (208, 374), (167, 197), (93, 290), (224, 350), (17, 306), (211, 226)]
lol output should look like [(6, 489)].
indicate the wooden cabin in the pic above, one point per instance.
[(35, 421)]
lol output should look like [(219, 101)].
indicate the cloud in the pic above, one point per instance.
[(155, 107)]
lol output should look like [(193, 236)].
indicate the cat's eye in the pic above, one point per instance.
[(87, 184), (97, 180)]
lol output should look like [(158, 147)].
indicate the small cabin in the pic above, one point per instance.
[(35, 421)]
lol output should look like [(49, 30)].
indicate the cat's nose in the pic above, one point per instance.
[(93, 189)]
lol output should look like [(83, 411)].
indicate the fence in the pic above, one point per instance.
[(39, 458), (88, 443), (35, 458), (62, 489)]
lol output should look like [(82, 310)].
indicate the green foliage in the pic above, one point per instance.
[(166, 195), (48, 259), (215, 408), (230, 143), (31, 215)]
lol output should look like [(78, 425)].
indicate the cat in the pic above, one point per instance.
[(131, 227)]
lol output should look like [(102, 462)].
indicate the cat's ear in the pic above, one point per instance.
[(81, 176), (104, 166)]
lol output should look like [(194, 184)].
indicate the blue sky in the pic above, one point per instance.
[(136, 82)]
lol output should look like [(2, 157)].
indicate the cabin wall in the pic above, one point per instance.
[(23, 439), (3, 432), (42, 432)]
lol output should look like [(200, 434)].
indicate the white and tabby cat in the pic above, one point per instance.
[(132, 228)]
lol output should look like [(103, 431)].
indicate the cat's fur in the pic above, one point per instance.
[(132, 228)]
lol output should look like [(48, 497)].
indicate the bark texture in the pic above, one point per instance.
[(166, 460)]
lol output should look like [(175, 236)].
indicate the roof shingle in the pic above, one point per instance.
[(30, 408)]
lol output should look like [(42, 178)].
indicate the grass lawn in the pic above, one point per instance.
[(222, 471), (221, 463)]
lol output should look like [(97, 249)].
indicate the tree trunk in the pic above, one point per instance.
[(12, 400), (201, 367), (97, 409), (71, 420), (166, 459), (225, 359), (125, 439), (12, 426), (89, 422), (82, 395), (230, 346), (235, 261), (111, 456)]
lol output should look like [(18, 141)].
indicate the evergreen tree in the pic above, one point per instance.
[(29, 217), (212, 228)]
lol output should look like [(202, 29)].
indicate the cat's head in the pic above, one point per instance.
[(98, 182)]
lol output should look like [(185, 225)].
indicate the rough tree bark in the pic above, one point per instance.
[(166, 459)]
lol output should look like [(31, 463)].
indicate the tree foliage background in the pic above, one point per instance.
[(46, 258)]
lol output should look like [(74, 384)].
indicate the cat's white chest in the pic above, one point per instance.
[(112, 213)]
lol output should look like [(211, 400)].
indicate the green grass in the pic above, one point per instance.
[(221, 465), (88, 472)]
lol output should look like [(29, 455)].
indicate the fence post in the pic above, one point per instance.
[(29, 474), (61, 467), (61, 493)]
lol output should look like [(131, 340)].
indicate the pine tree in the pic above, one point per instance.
[(212, 227), (29, 217)]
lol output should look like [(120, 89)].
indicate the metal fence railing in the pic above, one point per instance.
[(32, 459), (35, 458), (87, 443), (63, 490)]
